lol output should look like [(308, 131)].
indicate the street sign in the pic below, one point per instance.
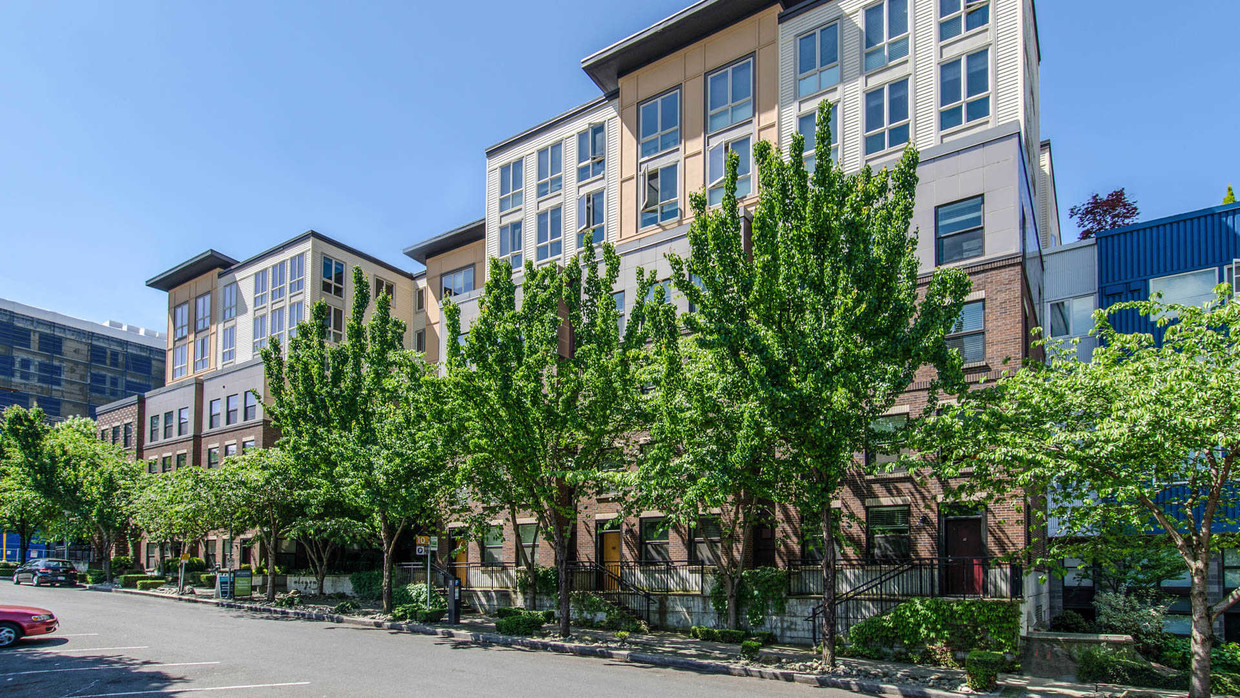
[(224, 585), (424, 540), (421, 550), (434, 542), (184, 557)]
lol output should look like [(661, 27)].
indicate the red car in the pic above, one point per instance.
[(18, 621)]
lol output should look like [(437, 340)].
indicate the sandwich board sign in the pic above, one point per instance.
[(243, 582)]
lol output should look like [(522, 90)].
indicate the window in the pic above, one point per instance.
[(335, 324), (959, 230), (296, 273), (457, 282), (957, 17), (260, 331), (154, 428), (116, 434), (260, 287), (886, 117), (591, 218), (968, 335), (421, 302), (228, 344), (591, 152), (277, 324), (550, 169), (510, 244), (493, 546), (333, 277), (1231, 568), (652, 293), (251, 406), (202, 312), (654, 544), (818, 60), (296, 315), (884, 431), (550, 241), (165, 464), (180, 360), (1232, 274), (278, 271), (886, 33), (716, 167), (1076, 573), (887, 533), (202, 353), (1193, 288), (660, 124), (181, 460), (213, 414), (1072, 317), (618, 296), (811, 539), (527, 535), (180, 321), (706, 534), (183, 421), (510, 186), (230, 409), (230, 450), (103, 434), (807, 126), (729, 96), (384, 287), (152, 466), (247, 445), (964, 90), (230, 301), (128, 442), (659, 197), (419, 341)]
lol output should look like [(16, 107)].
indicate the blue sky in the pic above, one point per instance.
[(135, 135)]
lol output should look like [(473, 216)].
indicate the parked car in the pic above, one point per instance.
[(47, 571), (17, 622)]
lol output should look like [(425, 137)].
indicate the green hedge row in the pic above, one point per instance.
[(1101, 666), (547, 616), (702, 632), (418, 614), (130, 581), (982, 670), (954, 625), (145, 584), (525, 624)]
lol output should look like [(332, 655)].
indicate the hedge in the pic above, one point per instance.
[(1101, 666), (145, 584), (418, 614), (750, 649), (206, 579), (547, 616), (130, 581), (733, 637), (956, 625), (526, 624), (982, 670)]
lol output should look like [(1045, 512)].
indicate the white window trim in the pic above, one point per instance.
[(961, 13), (1072, 330), (505, 231), (593, 156), (965, 99), (550, 258), (584, 204), (552, 176), (753, 103), (839, 61), (680, 123), (667, 160), (908, 119), (513, 192), (725, 139), (885, 45), (811, 109)]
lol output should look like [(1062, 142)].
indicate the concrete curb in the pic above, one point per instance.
[(699, 665)]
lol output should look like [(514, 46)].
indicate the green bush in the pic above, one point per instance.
[(207, 579), (95, 576), (130, 581), (731, 636), (764, 638), (418, 614), (145, 584), (508, 611), (1176, 652), (417, 595), (172, 565), (982, 670), (750, 649), (287, 601), (701, 632), (1102, 666), (367, 584), (348, 606), (1139, 615), (547, 580), (121, 563), (622, 636), (948, 625), (1072, 622), (526, 624), (588, 604)]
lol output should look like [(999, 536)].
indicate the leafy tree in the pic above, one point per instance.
[(547, 393), (1145, 437), (322, 537), (1123, 562), (181, 506), (1104, 213), (22, 510), (821, 314), (1230, 198), (263, 488)]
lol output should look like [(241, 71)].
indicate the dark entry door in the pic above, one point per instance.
[(763, 546), (963, 548)]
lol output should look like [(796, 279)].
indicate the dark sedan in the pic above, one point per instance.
[(47, 571)]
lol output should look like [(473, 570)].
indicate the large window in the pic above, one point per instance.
[(510, 244), (384, 287), (878, 452), (277, 324), (1072, 317), (128, 442), (886, 33), (457, 282), (182, 458), (550, 169), (964, 90), (213, 413), (154, 435), (1231, 568), (278, 272), (1192, 288), (729, 96), (168, 418), (180, 361), (716, 162), (959, 230), (251, 406), (654, 540), (660, 200), (591, 217), (968, 335), (511, 183), (886, 117), (230, 409), (202, 353), (818, 60), (183, 421), (165, 464), (958, 17), (659, 124), (296, 315), (260, 288), (335, 324), (807, 126), (202, 312), (591, 152), (493, 546), (296, 273), (180, 321), (260, 331), (228, 344), (707, 536), (550, 241), (527, 538), (333, 277), (887, 533), (230, 301)]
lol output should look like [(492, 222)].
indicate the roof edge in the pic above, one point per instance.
[(1221, 208)]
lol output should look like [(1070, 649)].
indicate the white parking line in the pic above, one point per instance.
[(171, 691), (98, 668)]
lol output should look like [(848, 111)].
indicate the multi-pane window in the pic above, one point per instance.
[(230, 301), (493, 546), (165, 464), (421, 299), (154, 435), (296, 315), (958, 17), (128, 442), (260, 331), (116, 434), (419, 341), (183, 421), (811, 539), (230, 409), (202, 353), (706, 536), (278, 271), (251, 406), (527, 538), (213, 413), (457, 282), (884, 431), (959, 230), (230, 450), (968, 335), (716, 161), (1193, 288), (335, 324), (152, 466), (202, 312), (550, 169), (807, 126), (660, 200), (964, 90), (1231, 568), (729, 96), (181, 460), (887, 533), (511, 186), (296, 273), (591, 152), (1072, 317), (886, 117), (818, 60), (277, 324), (886, 33), (247, 445), (510, 244), (384, 287), (180, 321), (660, 124), (618, 297), (591, 215), (333, 277), (550, 239), (260, 287), (228, 344), (180, 361), (654, 540), (168, 424)]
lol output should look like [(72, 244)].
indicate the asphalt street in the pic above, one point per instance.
[(122, 645)]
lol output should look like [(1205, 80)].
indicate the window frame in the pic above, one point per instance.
[(180, 361), (732, 104), (717, 184), (978, 231), (964, 99), (661, 130), (549, 246), (260, 287), (875, 455), (202, 312), (531, 548), (587, 212), (333, 284), (491, 546), (808, 156), (128, 435), (450, 293), (962, 16), (816, 73), (279, 276), (959, 336), (165, 464), (296, 273), (888, 125), (384, 286), (275, 324), (202, 353), (901, 42), (169, 416), (647, 544), (593, 164), (335, 324), (699, 551), (228, 344), (183, 421), (554, 179), (1193, 272), (872, 528), (511, 241), (182, 460), (231, 409), (214, 413), (249, 406), (511, 195), (229, 293), (154, 435), (259, 332), (180, 321), (1071, 317), (296, 316), (665, 210), (419, 341)]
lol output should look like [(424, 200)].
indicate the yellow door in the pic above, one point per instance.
[(611, 559)]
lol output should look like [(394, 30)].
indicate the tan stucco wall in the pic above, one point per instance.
[(474, 253), (187, 293)]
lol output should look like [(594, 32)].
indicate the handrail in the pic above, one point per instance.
[(624, 587)]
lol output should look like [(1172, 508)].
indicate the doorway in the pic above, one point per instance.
[(609, 554), (460, 557), (964, 552)]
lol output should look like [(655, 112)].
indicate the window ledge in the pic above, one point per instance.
[(591, 180), (976, 366), (898, 63), (552, 195), (945, 44)]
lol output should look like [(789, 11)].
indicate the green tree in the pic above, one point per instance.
[(181, 506), (547, 393), (263, 487), (1230, 198), (1144, 437), (22, 510), (819, 310)]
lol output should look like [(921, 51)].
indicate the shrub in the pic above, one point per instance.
[(1102, 666), (547, 580), (952, 625), (508, 611), (731, 636), (417, 595), (1138, 615), (207, 579), (519, 625), (764, 638), (750, 649), (982, 670), (622, 636), (415, 612), (702, 632), (1072, 622), (130, 581), (287, 601), (172, 565), (145, 584), (367, 584), (121, 563), (1176, 652), (346, 607), (95, 577), (588, 605)]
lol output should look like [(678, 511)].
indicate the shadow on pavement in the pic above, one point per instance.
[(29, 669)]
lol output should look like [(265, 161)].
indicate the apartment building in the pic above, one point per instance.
[(221, 312)]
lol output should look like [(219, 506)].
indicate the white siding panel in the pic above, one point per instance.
[(925, 71), (1007, 57)]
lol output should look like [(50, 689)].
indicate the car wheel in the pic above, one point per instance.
[(9, 634), (34, 581)]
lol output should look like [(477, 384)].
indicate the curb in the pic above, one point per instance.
[(699, 665)]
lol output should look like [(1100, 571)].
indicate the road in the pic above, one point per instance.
[(125, 645)]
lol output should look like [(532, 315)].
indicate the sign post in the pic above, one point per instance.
[(181, 578)]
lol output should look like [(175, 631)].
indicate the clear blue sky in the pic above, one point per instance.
[(134, 135)]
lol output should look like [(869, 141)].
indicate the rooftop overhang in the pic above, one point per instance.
[(190, 269), (446, 242)]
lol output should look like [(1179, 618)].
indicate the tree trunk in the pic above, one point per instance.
[(731, 585), (107, 559), (273, 540), (564, 583), (828, 587), (1203, 633), (387, 541)]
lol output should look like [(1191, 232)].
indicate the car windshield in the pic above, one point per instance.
[(58, 565)]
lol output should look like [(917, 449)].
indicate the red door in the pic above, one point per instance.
[(963, 546)]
